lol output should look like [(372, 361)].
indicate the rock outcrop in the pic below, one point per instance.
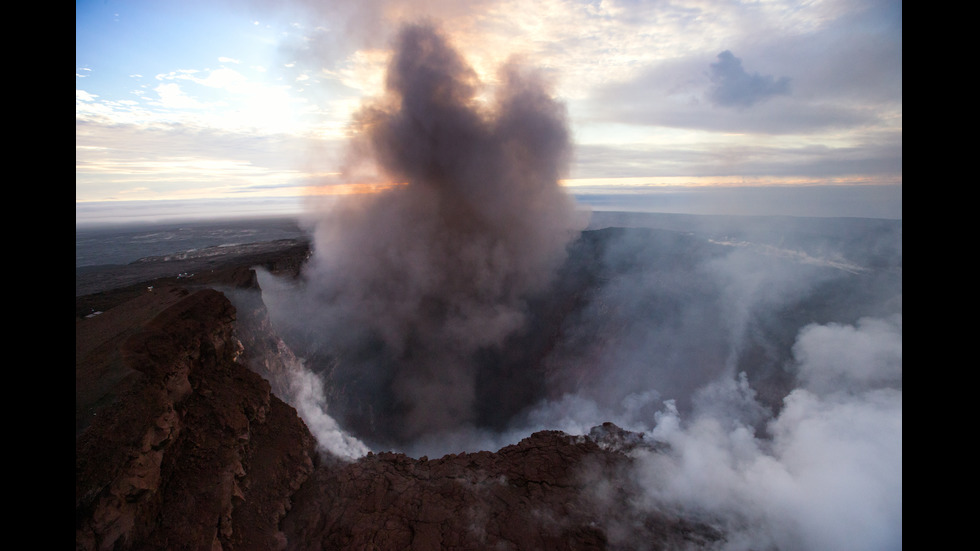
[(188, 449), (550, 491)]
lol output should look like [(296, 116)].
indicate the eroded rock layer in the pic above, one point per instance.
[(190, 449)]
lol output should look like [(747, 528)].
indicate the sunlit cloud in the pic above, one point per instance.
[(173, 97)]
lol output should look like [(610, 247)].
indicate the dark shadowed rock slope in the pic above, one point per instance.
[(180, 444), (186, 448)]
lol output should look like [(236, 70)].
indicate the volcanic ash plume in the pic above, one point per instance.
[(407, 286)]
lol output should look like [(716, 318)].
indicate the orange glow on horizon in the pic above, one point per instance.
[(572, 185), (349, 189)]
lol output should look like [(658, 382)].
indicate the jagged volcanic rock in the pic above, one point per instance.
[(537, 494), (189, 449)]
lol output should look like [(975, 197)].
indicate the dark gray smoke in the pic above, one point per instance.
[(408, 286)]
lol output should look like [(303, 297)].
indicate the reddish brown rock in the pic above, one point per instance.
[(190, 450), (536, 494)]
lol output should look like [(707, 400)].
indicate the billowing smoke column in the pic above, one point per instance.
[(406, 286)]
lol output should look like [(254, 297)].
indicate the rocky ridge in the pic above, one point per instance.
[(182, 444)]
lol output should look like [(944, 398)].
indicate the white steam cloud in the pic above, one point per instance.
[(826, 475), (306, 394), (836, 356)]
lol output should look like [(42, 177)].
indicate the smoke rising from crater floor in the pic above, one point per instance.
[(406, 286)]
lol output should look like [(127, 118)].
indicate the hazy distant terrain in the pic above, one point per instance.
[(104, 244)]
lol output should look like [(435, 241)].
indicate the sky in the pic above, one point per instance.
[(707, 107)]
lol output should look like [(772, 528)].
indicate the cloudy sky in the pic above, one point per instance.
[(704, 106)]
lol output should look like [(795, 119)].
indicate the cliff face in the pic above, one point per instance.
[(189, 449), (180, 444)]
